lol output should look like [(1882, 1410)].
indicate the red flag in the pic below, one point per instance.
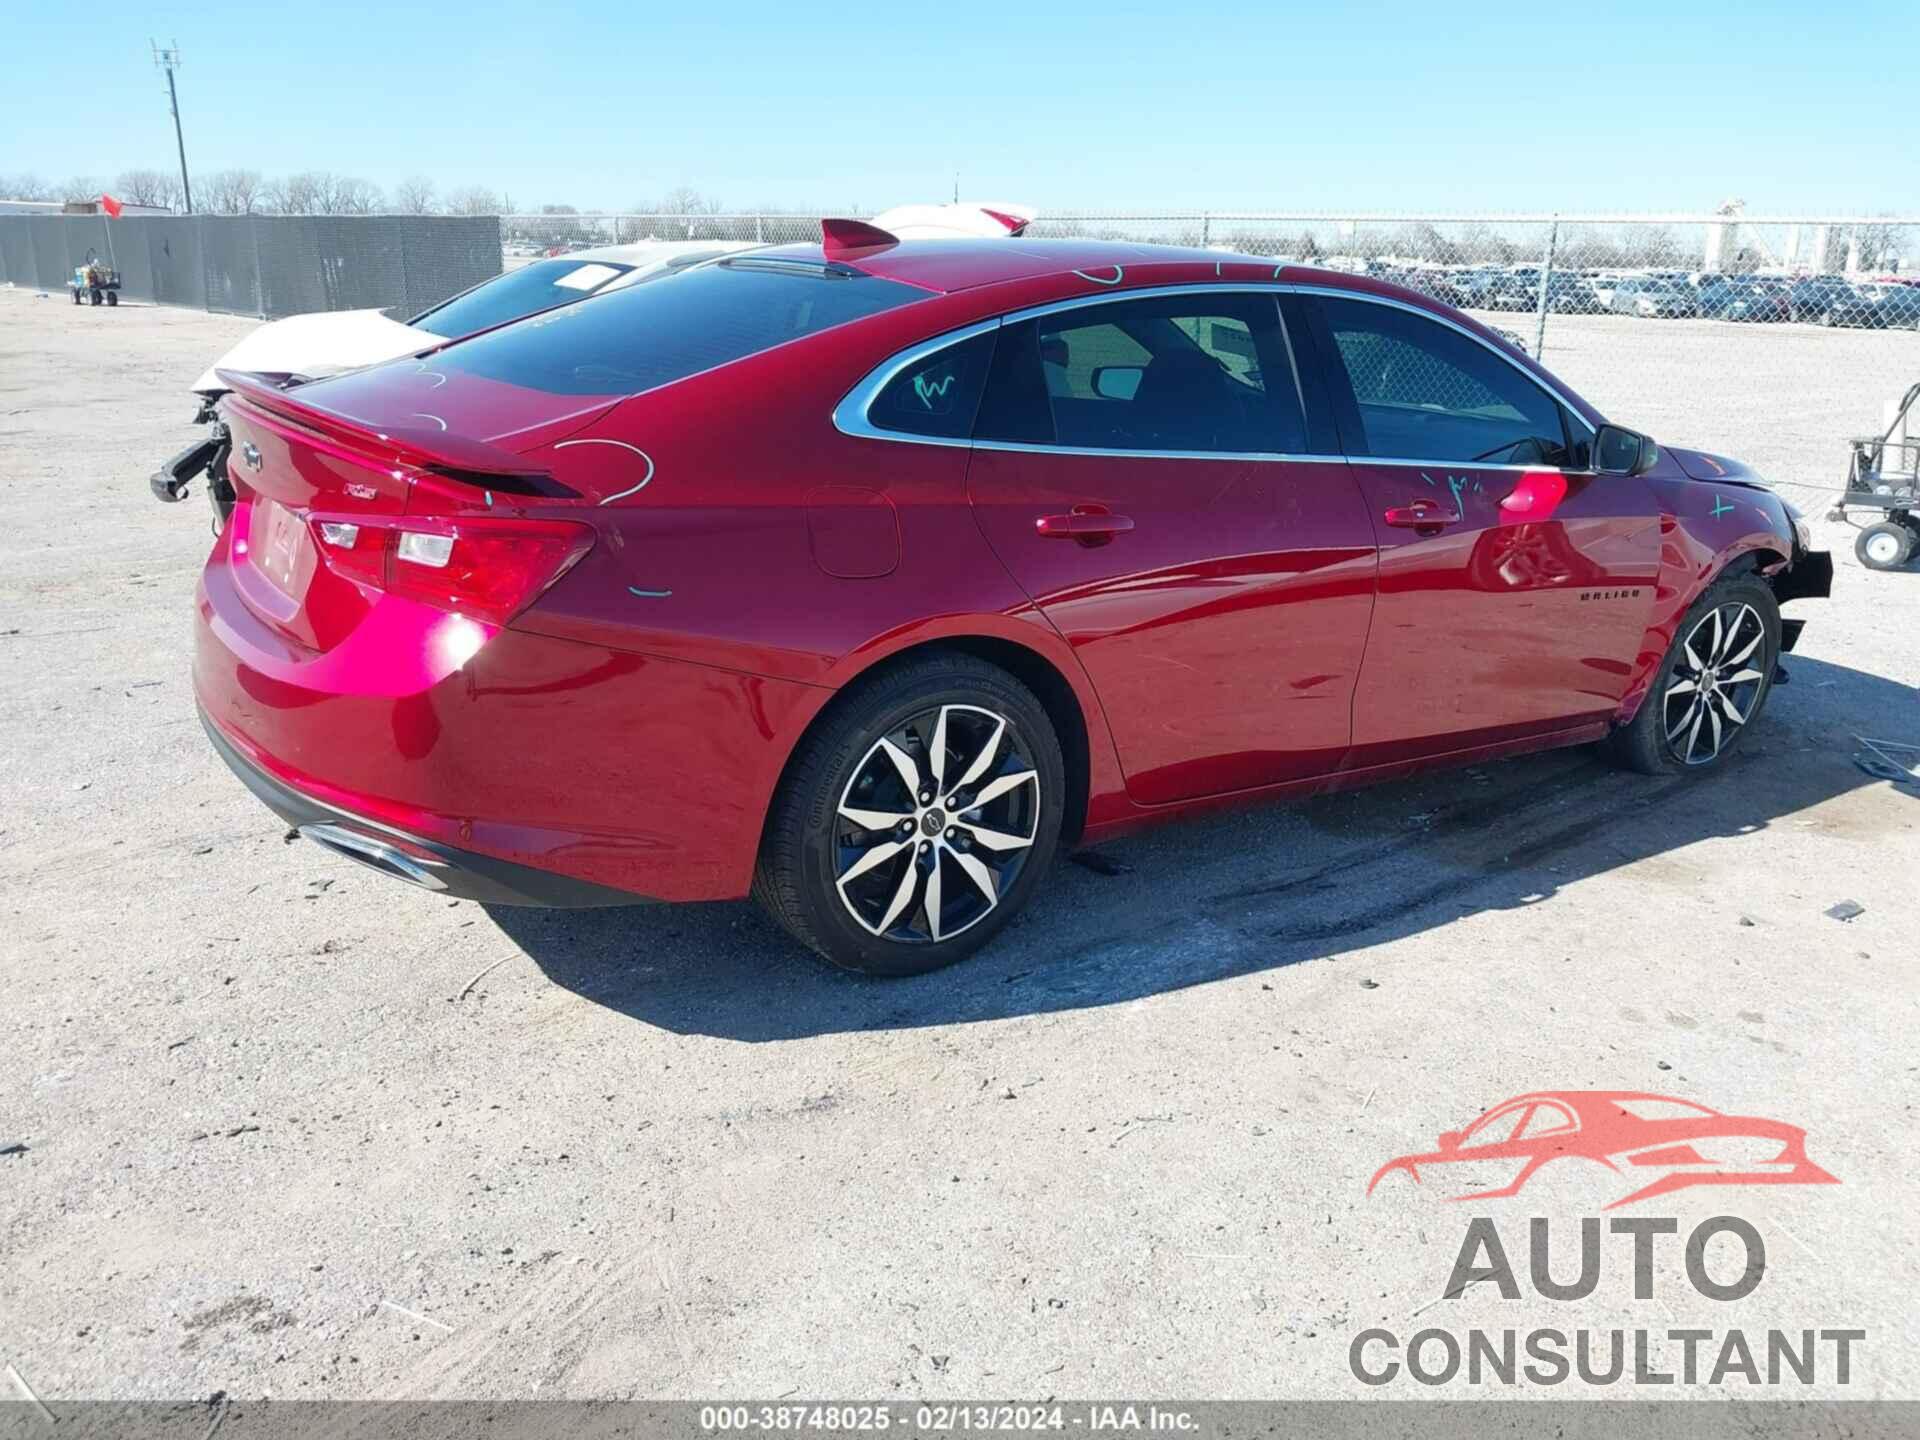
[(110, 205)]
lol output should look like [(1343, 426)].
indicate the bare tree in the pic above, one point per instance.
[(304, 193), (79, 187), (25, 187), (685, 200), (233, 192), (475, 200), (1480, 243), (158, 188), (689, 206), (1880, 246), (414, 196), (354, 196), (1649, 245)]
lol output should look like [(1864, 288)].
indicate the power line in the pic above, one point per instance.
[(168, 59)]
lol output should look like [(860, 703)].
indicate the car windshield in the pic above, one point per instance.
[(644, 336), (539, 286)]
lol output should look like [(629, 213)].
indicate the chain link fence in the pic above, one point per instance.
[(1773, 338), (265, 265)]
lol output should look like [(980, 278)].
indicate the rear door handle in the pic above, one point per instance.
[(1088, 526), (1420, 515)]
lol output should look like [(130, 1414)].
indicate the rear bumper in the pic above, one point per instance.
[(513, 766), (457, 874)]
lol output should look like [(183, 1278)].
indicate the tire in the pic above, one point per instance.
[(113, 297), (1683, 726), (93, 297), (1885, 546), (881, 923)]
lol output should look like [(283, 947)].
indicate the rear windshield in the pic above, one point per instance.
[(645, 336), (539, 286)]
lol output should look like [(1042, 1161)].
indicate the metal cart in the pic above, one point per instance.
[(1884, 475)]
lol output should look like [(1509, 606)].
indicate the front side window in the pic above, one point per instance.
[(1427, 392), (937, 394), (1191, 374), (639, 338)]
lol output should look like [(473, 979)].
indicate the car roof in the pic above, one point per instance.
[(946, 266)]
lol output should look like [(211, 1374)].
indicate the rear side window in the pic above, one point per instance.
[(1196, 374), (645, 336), (936, 394), (539, 286)]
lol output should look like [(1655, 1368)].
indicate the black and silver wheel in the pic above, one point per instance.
[(1884, 546), (1712, 684), (916, 819), (113, 297)]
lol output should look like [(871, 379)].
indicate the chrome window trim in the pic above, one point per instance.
[(850, 415), (1018, 447), (1466, 465)]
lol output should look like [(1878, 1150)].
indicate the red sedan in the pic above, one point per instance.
[(863, 576)]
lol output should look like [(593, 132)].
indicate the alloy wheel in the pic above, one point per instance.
[(1716, 682), (935, 824)]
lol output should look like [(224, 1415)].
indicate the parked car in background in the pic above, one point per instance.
[(1888, 304), (1726, 297), (1652, 296), (1826, 300), (1569, 294), (1603, 287), (1439, 284), (852, 576), (1499, 289)]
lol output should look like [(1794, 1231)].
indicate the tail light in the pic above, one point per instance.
[(484, 568)]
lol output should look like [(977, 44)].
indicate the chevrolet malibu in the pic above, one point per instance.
[(863, 576)]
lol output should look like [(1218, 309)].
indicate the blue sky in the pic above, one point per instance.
[(1064, 106)]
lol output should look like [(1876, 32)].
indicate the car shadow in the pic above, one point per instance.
[(1234, 893)]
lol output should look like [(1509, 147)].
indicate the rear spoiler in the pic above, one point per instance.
[(473, 462)]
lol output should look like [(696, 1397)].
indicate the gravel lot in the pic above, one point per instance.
[(292, 1130)]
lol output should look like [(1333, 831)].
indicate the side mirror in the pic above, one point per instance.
[(1620, 451), (1117, 382), (1450, 1140)]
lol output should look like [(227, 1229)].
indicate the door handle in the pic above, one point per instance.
[(1420, 515), (1086, 524)]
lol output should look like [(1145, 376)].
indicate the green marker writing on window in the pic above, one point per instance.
[(927, 390)]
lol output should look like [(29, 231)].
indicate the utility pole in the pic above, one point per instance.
[(168, 59)]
